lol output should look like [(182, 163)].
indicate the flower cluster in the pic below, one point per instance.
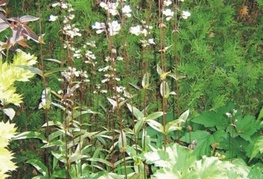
[(69, 29), (169, 13), (113, 27)]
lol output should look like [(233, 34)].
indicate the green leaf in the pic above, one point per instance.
[(136, 112), (156, 125), (260, 116), (146, 80), (212, 119), (41, 168), (164, 89), (204, 140), (173, 125), (159, 70), (122, 141), (78, 113), (154, 115), (30, 135), (246, 127), (184, 116), (138, 126), (31, 69), (258, 148)]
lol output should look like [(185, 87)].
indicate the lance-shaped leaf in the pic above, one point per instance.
[(164, 89), (154, 115), (185, 115), (31, 69), (136, 112), (10, 112), (41, 168), (30, 135), (122, 142), (159, 70), (138, 126), (156, 125), (115, 104), (76, 155), (173, 125), (146, 80)]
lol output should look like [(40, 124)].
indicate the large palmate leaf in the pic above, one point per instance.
[(246, 127), (204, 140)]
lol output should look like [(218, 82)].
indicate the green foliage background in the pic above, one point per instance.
[(218, 51)]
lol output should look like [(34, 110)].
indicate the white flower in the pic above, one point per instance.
[(99, 26), (135, 30), (185, 14), (181, 0), (114, 28), (167, 2), (151, 41), (126, 10), (55, 4), (64, 5), (52, 18), (229, 115), (110, 7), (168, 13)]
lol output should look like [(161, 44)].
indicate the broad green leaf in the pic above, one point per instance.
[(136, 112), (30, 135), (154, 115), (258, 148), (156, 125), (246, 127), (41, 168), (204, 140), (146, 80), (10, 112), (212, 119)]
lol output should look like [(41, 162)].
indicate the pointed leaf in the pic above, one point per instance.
[(136, 112), (28, 18), (173, 125), (122, 141), (146, 80), (138, 126), (30, 135), (10, 112), (159, 70), (41, 168), (31, 69), (156, 125), (164, 89), (185, 115), (154, 115)]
